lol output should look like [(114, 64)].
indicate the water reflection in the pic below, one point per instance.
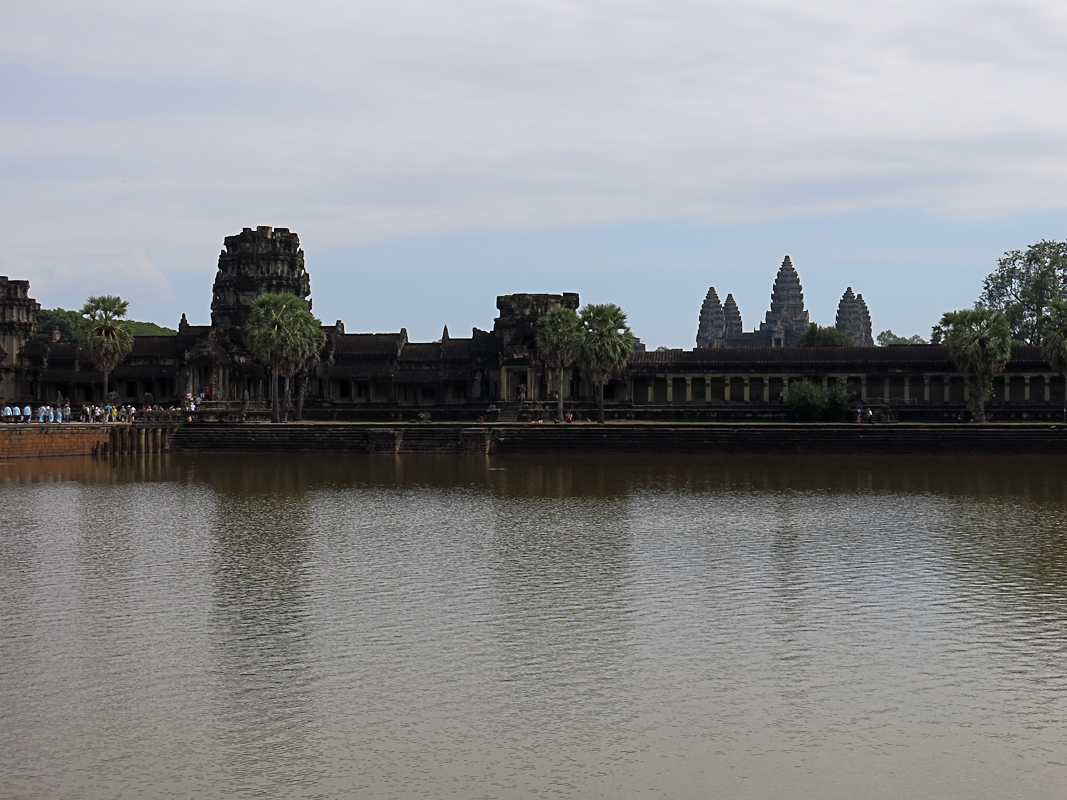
[(262, 579), (307, 626)]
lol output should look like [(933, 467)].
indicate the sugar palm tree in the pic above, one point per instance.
[(104, 337), (559, 338), (1054, 341), (282, 332), (979, 342), (606, 346)]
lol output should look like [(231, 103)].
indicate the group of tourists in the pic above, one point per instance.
[(63, 413), (864, 416), (26, 413)]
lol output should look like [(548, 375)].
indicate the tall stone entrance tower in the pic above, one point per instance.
[(18, 322), (255, 262)]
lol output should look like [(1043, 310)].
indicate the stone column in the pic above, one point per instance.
[(946, 382), (766, 388), (651, 388), (1048, 388), (670, 389), (1007, 389), (885, 390), (907, 388), (863, 388), (746, 389), (726, 388), (926, 388), (707, 389), (688, 390), (1026, 388)]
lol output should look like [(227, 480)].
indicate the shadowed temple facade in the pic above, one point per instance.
[(731, 374)]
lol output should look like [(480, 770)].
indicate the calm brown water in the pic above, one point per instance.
[(463, 627)]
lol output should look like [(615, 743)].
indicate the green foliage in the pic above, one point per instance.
[(886, 338), (1023, 286), (282, 332), (102, 334), (818, 336), (70, 322), (1054, 340), (559, 340), (149, 329), (607, 344), (979, 342), (559, 337), (812, 403)]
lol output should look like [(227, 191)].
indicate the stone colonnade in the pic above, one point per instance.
[(926, 388)]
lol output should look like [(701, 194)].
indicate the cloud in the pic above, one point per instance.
[(134, 126)]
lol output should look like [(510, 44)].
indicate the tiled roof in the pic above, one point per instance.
[(159, 346), (903, 356), (419, 351), (368, 344)]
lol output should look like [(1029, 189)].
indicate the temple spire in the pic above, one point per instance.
[(711, 329), (854, 320), (787, 319), (732, 316)]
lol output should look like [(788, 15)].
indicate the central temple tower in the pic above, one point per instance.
[(787, 319), (261, 261)]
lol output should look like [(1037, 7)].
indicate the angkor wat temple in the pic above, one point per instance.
[(731, 374), (786, 321)]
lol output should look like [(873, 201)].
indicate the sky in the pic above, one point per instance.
[(433, 155)]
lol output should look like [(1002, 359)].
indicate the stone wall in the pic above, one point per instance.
[(34, 440)]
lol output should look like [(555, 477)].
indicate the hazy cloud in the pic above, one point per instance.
[(140, 126)]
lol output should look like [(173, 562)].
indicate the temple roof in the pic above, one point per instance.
[(906, 356)]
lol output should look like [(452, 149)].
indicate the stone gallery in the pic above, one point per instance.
[(731, 374)]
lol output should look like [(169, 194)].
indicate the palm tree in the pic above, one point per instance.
[(606, 346), (282, 332), (104, 336), (559, 338), (979, 342), (1054, 341)]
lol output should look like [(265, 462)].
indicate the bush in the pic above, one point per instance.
[(812, 403)]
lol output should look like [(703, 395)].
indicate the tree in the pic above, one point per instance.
[(886, 338), (559, 339), (1054, 341), (103, 334), (68, 322), (1024, 284), (979, 342), (607, 345), (812, 403), (282, 332), (818, 336)]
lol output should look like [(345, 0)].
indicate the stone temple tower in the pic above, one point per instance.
[(256, 262), (18, 322), (787, 319), (733, 316), (711, 332), (854, 319)]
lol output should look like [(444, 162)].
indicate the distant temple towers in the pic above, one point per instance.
[(733, 317), (711, 330), (786, 321), (255, 262), (854, 320)]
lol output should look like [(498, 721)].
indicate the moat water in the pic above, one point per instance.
[(464, 627)]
